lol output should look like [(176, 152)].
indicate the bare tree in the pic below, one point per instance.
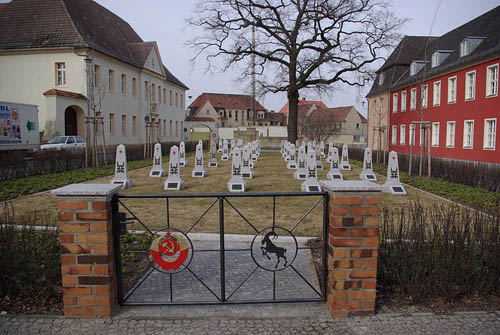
[(318, 127), (298, 44)]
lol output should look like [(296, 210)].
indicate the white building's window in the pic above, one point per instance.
[(492, 80), (395, 103), (165, 96), (435, 59), (423, 95), (436, 94), (490, 130), (134, 87), (452, 89), (112, 124), (97, 75), (134, 125), (153, 94), (468, 134), (402, 134), (159, 94), (394, 134), (60, 74), (124, 84), (435, 134), (450, 134), (403, 101), (412, 134), (124, 125), (111, 80), (413, 99), (470, 85)]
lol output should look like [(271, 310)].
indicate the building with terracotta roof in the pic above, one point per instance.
[(342, 125), (302, 102), (57, 53), (232, 110)]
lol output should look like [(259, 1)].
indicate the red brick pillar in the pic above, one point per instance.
[(85, 232), (354, 208)]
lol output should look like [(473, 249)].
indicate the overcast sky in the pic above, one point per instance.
[(163, 21)]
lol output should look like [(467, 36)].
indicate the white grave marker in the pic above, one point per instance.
[(182, 155), (220, 146), (246, 170), (174, 180), (287, 151), (213, 155), (253, 154), (240, 143), (225, 151), (301, 172), (322, 148), (319, 163), (199, 170), (231, 147), (236, 183), (157, 169), (393, 185), (282, 148), (311, 183), (121, 169), (330, 152), (334, 173), (344, 164), (292, 164), (367, 173)]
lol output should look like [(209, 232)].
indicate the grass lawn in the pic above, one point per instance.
[(270, 175)]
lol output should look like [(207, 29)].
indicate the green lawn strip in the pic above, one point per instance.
[(14, 188), (464, 194)]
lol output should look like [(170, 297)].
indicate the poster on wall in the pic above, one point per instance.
[(10, 125)]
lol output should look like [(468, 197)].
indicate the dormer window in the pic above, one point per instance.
[(469, 44), (438, 57), (416, 66), (381, 78), (153, 62)]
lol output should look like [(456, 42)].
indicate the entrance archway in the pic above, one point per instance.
[(70, 122)]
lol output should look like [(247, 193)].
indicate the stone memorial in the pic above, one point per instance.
[(231, 147), (225, 151), (240, 143), (121, 169), (174, 180), (214, 162), (319, 163), (301, 172), (199, 170), (236, 183), (246, 170), (182, 155), (367, 173), (344, 164), (292, 164), (220, 146), (157, 170), (330, 152), (311, 183), (322, 148), (393, 185), (282, 147), (253, 154), (334, 173), (287, 151)]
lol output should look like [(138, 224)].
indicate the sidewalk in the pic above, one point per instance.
[(421, 323)]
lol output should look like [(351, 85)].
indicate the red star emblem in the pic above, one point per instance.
[(173, 153), (121, 151), (393, 157), (236, 155)]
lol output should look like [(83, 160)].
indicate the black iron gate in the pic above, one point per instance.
[(166, 266)]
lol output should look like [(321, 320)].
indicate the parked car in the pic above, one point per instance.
[(64, 142)]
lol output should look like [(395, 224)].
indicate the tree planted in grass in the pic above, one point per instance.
[(297, 44)]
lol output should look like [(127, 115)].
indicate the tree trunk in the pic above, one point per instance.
[(293, 106)]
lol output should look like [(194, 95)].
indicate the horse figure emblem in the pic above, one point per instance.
[(271, 248)]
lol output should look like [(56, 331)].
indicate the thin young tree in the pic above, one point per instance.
[(299, 44)]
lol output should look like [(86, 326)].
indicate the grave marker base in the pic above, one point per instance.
[(236, 187), (173, 185), (213, 164), (319, 166), (291, 166), (247, 175), (310, 187), (334, 176), (368, 176), (124, 183), (346, 167), (157, 173), (299, 176), (198, 174), (224, 158), (396, 189)]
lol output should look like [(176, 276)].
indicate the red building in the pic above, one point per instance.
[(452, 84)]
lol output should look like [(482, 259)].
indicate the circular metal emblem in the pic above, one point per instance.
[(171, 251), (274, 248)]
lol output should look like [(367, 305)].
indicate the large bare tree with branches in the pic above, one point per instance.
[(297, 44)]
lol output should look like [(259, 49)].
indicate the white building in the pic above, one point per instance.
[(44, 46)]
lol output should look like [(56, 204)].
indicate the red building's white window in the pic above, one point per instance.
[(394, 134), (413, 99), (423, 95), (436, 94), (395, 103), (435, 134), (490, 130), (468, 134), (402, 134), (403, 101), (452, 89), (470, 85), (492, 80), (412, 134), (450, 134)]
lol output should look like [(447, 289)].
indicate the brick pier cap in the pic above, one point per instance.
[(352, 246), (85, 235)]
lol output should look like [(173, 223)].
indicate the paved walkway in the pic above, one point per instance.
[(459, 323)]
